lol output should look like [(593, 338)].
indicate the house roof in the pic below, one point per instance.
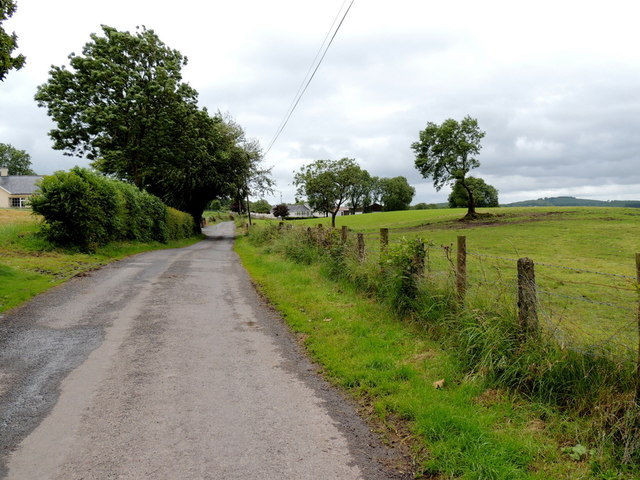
[(20, 184), (298, 208)]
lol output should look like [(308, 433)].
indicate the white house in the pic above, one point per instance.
[(15, 190)]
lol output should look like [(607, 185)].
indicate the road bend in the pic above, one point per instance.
[(168, 365)]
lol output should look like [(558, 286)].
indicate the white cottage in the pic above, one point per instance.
[(15, 190)]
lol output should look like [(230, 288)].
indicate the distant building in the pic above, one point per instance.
[(15, 190), (300, 211), (374, 207)]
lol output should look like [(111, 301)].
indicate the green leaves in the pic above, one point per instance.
[(447, 152), (484, 195), (123, 104), (8, 42), (17, 161), (327, 184)]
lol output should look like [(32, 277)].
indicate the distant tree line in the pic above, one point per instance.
[(329, 185)]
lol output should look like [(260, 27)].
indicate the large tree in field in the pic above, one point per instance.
[(447, 152), (327, 184), (123, 105), (17, 161), (396, 193), (484, 194), (8, 42), (360, 193)]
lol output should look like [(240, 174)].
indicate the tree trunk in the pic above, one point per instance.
[(333, 218), (471, 206)]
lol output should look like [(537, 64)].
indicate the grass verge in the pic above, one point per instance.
[(458, 428), (29, 265)]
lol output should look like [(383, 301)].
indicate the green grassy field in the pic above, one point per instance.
[(566, 243), (462, 430), (29, 265), (576, 407)]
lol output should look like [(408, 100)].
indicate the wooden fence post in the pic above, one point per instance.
[(527, 298), (384, 240), (461, 268), (418, 258), (638, 363), (345, 232), (361, 246)]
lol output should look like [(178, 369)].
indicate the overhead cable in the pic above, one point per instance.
[(309, 77)]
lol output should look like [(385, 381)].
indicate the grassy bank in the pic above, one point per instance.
[(567, 409), (29, 265)]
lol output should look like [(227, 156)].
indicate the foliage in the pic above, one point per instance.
[(30, 264), (281, 210), (424, 206), (327, 184), (396, 193), (17, 161), (581, 380), (8, 43), (447, 152), (463, 430), (484, 195), (85, 210), (359, 195), (261, 206), (123, 105), (179, 224)]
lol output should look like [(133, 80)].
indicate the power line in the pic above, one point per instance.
[(301, 89)]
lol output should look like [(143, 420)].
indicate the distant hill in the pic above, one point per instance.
[(573, 202)]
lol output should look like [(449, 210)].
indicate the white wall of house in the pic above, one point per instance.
[(4, 199)]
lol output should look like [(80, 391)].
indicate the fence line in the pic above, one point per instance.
[(582, 333), (578, 270)]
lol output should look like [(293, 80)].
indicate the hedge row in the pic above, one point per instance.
[(83, 209)]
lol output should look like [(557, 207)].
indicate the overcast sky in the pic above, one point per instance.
[(554, 84)]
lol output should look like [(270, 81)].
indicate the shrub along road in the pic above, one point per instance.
[(168, 365)]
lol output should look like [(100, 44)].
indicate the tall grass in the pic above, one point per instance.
[(483, 333)]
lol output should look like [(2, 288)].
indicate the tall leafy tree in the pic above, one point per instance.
[(360, 191), (327, 184), (8, 42), (484, 194), (119, 103), (396, 193), (17, 161), (123, 105), (447, 152)]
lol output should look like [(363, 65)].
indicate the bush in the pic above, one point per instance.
[(85, 210), (179, 224)]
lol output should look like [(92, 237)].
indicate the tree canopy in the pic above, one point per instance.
[(17, 161), (8, 42), (484, 194), (396, 193), (447, 152), (281, 211), (123, 105), (327, 184)]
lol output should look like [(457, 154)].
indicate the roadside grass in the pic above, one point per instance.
[(579, 372), (30, 265), (566, 243), (389, 364)]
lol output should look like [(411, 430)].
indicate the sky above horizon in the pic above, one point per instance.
[(555, 85)]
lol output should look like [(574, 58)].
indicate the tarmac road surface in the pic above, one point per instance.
[(168, 365)]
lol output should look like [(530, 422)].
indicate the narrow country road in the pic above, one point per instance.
[(168, 365)]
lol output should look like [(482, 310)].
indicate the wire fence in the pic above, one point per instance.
[(583, 309)]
